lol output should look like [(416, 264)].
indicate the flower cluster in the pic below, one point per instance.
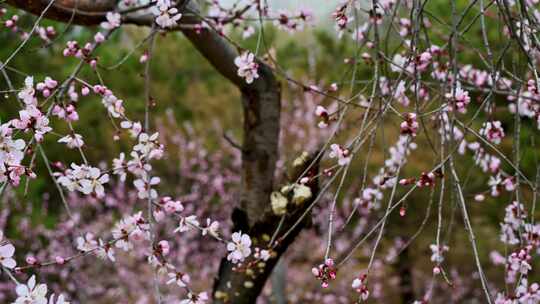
[(359, 284), (325, 272), (83, 178), (493, 131), (514, 220), (292, 22), (166, 14), (409, 126), (110, 101), (36, 294), (427, 179), (31, 119), (459, 99), (11, 156), (68, 113), (247, 67), (342, 154), (133, 228)]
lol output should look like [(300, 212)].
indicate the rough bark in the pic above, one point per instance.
[(261, 102)]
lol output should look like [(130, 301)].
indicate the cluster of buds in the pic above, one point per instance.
[(74, 50), (325, 272), (426, 179), (46, 33), (69, 112), (360, 286), (47, 86), (11, 23), (410, 125)]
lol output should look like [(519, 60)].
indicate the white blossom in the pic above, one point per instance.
[(200, 298), (6, 256), (72, 141), (30, 293), (247, 67), (113, 21), (240, 247), (167, 16)]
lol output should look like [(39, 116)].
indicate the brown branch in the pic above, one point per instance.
[(84, 12)]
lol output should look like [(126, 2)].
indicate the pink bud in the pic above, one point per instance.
[(51, 83), (99, 38), (31, 260), (144, 58), (59, 260)]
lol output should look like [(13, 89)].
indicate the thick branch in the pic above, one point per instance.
[(84, 12)]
